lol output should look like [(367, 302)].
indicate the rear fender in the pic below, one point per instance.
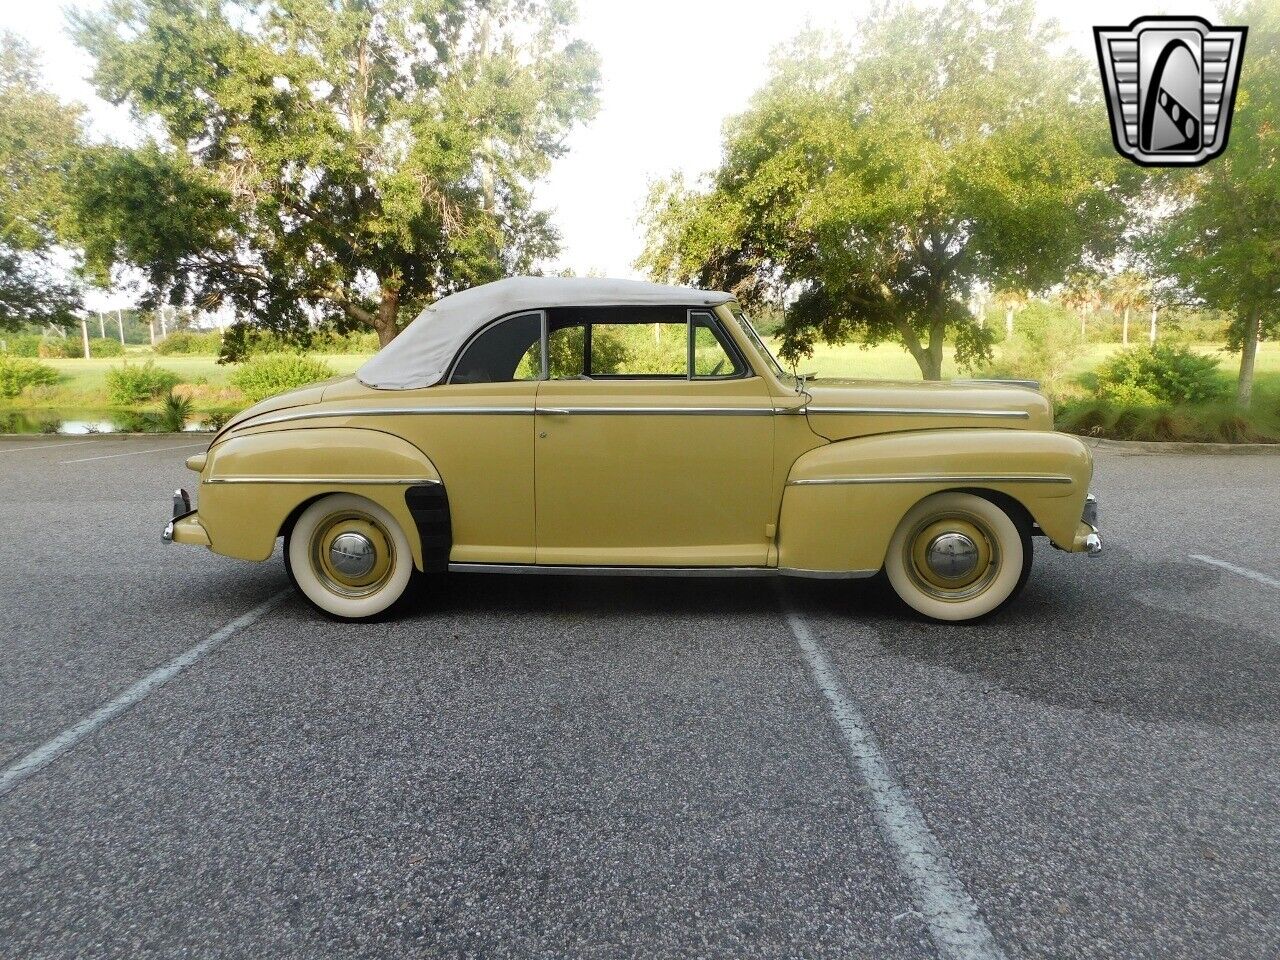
[(844, 500)]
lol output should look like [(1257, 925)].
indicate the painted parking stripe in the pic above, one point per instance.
[(24, 447), (45, 754), (953, 919), (137, 453), (1241, 571)]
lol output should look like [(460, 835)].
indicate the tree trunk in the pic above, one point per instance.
[(1153, 326), (1248, 354), (385, 320), (1124, 330), (120, 324), (84, 335), (1008, 322)]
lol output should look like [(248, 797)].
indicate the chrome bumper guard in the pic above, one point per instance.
[(181, 508), (1093, 542)]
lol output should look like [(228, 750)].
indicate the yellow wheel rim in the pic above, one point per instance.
[(352, 554), (952, 556)]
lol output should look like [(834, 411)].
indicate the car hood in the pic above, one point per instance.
[(849, 408)]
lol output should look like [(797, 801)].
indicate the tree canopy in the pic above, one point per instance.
[(336, 160), (39, 139), (1220, 240), (873, 187)]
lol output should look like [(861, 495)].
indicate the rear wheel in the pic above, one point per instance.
[(957, 556), (348, 556)]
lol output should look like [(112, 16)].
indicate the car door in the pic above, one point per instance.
[(654, 442)]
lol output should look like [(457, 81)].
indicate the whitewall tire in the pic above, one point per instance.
[(348, 556), (957, 556)]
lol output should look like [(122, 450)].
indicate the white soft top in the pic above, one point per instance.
[(420, 356)]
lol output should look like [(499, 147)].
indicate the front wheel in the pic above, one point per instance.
[(956, 556), (348, 556)]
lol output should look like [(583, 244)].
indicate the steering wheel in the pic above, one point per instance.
[(718, 367)]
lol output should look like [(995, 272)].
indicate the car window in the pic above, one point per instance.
[(713, 356), (508, 350), (637, 349), (649, 342)]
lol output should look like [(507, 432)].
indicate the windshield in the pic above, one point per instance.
[(755, 338)]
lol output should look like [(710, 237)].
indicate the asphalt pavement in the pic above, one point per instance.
[(561, 767)]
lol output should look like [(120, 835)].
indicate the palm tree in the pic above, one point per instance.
[(1126, 291), (1082, 293), (1012, 301)]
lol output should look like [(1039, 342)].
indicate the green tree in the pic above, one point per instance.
[(1221, 243), (342, 160), (39, 139), (873, 188)]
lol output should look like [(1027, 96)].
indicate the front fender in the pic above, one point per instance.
[(251, 484), (843, 501)]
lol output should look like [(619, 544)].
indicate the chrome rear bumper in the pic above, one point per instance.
[(1093, 542)]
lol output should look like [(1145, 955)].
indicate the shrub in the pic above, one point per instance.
[(21, 344), (129, 385), (1163, 373), (60, 348), (173, 417), (105, 347), (1046, 342), (267, 375), (187, 342), (17, 373)]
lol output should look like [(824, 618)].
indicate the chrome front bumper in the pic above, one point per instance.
[(184, 526)]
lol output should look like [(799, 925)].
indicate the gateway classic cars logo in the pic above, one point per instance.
[(1171, 87)]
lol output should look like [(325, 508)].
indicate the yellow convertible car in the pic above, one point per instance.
[(586, 426)]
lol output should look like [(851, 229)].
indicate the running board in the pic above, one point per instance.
[(567, 570)]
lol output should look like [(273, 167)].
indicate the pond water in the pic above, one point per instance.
[(54, 421)]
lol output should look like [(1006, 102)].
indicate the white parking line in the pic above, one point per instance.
[(953, 919), (24, 447), (1242, 571), (44, 755), (136, 453)]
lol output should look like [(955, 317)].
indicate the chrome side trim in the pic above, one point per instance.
[(344, 481), (611, 571), (826, 574), (920, 412), (661, 411), (936, 478), (581, 570), (427, 411), (381, 412)]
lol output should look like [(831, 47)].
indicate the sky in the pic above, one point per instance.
[(672, 72)]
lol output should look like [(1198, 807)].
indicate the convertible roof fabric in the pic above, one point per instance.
[(420, 356)]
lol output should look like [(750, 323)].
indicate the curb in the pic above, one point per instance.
[(105, 435), (1183, 446)]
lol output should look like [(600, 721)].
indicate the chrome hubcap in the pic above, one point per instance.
[(352, 554), (952, 556)]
